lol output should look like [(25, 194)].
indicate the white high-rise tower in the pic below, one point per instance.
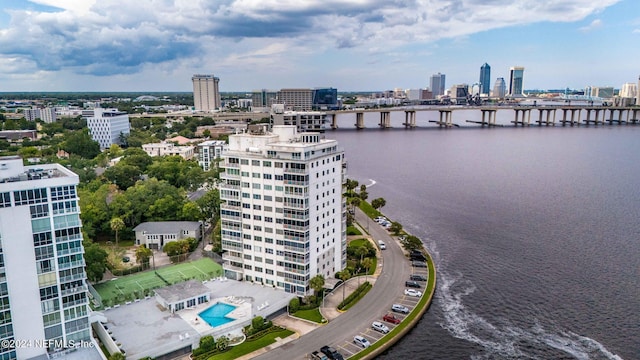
[(43, 290), (283, 214)]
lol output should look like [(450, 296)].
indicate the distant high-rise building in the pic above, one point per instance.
[(499, 88), (206, 95), (107, 125), (628, 90), (516, 74), (261, 100), (44, 300), (296, 99), (605, 92), (638, 92), (325, 99), (437, 84), (485, 79)]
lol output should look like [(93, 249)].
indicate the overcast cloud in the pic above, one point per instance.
[(116, 37)]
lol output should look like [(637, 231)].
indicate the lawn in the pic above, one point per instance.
[(117, 290), (369, 210), (251, 346), (311, 315)]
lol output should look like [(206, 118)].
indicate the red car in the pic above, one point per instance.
[(390, 318)]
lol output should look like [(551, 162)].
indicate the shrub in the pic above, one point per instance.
[(294, 305), (356, 295)]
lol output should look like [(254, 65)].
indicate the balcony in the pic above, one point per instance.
[(296, 217), (74, 290), (296, 227), (226, 257), (294, 206), (77, 250), (71, 264), (64, 279), (230, 217), (231, 165), (226, 206), (228, 266), (295, 171), (293, 182), (75, 303), (295, 249), (225, 186)]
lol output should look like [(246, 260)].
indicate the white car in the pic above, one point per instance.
[(412, 292), (378, 326), (361, 341)]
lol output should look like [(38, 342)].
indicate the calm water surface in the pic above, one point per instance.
[(534, 231)]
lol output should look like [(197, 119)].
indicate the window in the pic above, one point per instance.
[(266, 176), (63, 192), (32, 196), (256, 186), (244, 161), (38, 211), (255, 162), (257, 196), (267, 163), (5, 200), (255, 175)]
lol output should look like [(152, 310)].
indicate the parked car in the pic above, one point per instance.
[(382, 245), (400, 308), (361, 341), (419, 264), (316, 355), (331, 353), (378, 326), (416, 277), (390, 318), (412, 284), (125, 259), (412, 292)]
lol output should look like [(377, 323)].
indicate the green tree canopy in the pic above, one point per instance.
[(378, 203), (123, 175), (177, 171), (96, 259), (80, 143), (143, 254)]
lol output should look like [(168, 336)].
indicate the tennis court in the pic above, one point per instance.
[(133, 286)]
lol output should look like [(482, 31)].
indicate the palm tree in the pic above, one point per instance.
[(116, 225), (367, 262), (344, 276), (316, 283)]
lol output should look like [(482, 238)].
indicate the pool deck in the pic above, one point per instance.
[(144, 329)]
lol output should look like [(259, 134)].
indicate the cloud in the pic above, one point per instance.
[(109, 37), (593, 25)]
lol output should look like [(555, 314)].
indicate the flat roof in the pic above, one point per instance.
[(166, 227), (182, 291)]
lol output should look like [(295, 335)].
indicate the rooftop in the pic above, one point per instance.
[(167, 227), (182, 291), (13, 170)]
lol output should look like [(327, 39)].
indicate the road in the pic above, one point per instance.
[(388, 290)]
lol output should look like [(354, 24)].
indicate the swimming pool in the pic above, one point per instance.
[(215, 315)]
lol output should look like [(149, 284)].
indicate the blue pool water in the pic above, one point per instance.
[(215, 315)]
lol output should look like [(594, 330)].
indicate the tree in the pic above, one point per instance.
[(411, 243), (96, 258), (294, 305), (143, 254), (378, 203), (367, 262), (351, 185), (316, 283), (209, 205), (80, 143), (222, 343), (355, 202), (395, 228), (344, 276), (116, 225), (363, 188), (364, 195), (123, 175), (117, 356)]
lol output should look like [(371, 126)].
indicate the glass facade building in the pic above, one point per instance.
[(485, 79)]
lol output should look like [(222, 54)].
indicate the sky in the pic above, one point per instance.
[(351, 45)]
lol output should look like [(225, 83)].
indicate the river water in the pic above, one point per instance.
[(534, 232)]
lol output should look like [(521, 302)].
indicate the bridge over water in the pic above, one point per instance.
[(521, 115)]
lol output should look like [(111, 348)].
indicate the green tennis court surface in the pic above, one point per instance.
[(131, 286)]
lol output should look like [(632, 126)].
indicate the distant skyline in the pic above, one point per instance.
[(356, 45)]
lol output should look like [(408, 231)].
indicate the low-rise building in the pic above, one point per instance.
[(155, 234), (169, 149)]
